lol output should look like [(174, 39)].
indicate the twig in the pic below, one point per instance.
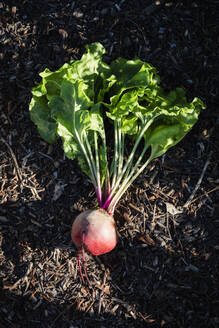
[(18, 170), (199, 181), (205, 194), (102, 292)]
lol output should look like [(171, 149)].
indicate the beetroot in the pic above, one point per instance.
[(94, 231)]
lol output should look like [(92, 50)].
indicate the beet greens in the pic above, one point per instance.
[(75, 101)]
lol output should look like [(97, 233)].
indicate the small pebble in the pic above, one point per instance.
[(56, 164)]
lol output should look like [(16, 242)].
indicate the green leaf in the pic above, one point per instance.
[(40, 114), (162, 137), (70, 145), (73, 102), (175, 120), (39, 90), (92, 71), (131, 74), (96, 120), (56, 75), (130, 125), (126, 104)]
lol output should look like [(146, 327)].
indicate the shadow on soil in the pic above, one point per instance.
[(50, 315), (154, 287)]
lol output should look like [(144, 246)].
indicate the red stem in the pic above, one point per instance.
[(79, 266)]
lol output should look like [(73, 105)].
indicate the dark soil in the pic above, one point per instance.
[(164, 271)]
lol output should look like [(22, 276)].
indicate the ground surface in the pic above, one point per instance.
[(164, 271)]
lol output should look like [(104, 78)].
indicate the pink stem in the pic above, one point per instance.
[(99, 197), (106, 204), (84, 267), (79, 266)]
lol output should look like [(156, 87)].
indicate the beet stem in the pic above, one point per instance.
[(84, 267), (79, 266), (107, 202), (83, 259)]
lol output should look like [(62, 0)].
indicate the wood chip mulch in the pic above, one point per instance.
[(164, 271)]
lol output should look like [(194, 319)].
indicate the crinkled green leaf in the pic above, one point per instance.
[(51, 82), (164, 136), (67, 102), (72, 103), (175, 120), (130, 125), (131, 74), (71, 110), (39, 90), (126, 104), (41, 116), (70, 145), (93, 71), (96, 119)]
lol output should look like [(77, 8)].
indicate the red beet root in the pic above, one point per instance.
[(95, 231)]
